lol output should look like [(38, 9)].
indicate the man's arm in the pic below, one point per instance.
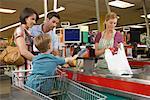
[(56, 53)]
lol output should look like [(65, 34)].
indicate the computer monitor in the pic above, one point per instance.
[(72, 35)]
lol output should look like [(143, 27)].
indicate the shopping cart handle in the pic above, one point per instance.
[(59, 71), (17, 71)]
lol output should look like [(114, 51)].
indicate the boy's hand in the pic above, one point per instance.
[(66, 65), (74, 57), (70, 59)]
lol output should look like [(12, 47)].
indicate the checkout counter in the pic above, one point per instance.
[(135, 87)]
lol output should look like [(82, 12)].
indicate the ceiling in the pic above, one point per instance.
[(76, 11)]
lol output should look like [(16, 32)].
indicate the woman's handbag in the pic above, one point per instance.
[(11, 55)]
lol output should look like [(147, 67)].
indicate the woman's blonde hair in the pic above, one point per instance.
[(42, 42), (111, 15)]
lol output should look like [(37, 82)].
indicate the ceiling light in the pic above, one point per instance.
[(40, 16), (82, 24), (120, 4), (10, 26), (136, 26), (142, 24), (56, 10), (9, 11), (59, 9), (148, 16)]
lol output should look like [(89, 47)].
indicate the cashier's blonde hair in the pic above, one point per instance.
[(111, 15), (42, 42)]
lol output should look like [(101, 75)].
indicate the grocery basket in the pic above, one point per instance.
[(62, 88)]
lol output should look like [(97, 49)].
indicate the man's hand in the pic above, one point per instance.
[(56, 53)]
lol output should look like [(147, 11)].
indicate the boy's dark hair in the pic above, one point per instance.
[(26, 13), (53, 14)]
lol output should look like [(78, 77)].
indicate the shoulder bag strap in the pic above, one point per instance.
[(30, 39)]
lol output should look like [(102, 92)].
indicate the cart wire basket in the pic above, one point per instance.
[(62, 88)]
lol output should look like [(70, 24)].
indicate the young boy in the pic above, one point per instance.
[(44, 64)]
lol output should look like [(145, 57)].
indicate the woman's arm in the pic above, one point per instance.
[(20, 41), (99, 52)]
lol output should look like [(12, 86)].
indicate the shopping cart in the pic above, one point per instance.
[(62, 88)]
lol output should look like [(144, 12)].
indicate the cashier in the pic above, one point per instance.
[(109, 38)]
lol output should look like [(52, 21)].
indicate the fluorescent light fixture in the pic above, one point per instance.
[(82, 24), (59, 9), (136, 26), (10, 26), (148, 16), (9, 11), (78, 25), (40, 16), (142, 24), (120, 4)]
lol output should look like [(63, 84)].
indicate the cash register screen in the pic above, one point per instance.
[(72, 35)]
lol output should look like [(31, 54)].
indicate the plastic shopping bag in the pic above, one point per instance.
[(118, 63)]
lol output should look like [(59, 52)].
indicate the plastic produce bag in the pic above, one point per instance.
[(118, 63)]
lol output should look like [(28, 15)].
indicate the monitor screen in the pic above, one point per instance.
[(72, 35)]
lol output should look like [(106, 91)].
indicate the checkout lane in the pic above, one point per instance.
[(135, 87)]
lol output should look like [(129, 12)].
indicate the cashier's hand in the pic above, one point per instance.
[(118, 45)]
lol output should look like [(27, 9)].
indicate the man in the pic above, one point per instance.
[(47, 27)]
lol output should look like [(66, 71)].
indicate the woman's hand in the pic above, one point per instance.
[(118, 45), (74, 57), (113, 50), (99, 52)]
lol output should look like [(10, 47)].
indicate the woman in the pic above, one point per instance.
[(22, 37), (109, 38)]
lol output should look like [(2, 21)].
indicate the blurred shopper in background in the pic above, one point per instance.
[(109, 38)]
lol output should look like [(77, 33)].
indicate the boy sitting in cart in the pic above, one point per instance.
[(44, 65)]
